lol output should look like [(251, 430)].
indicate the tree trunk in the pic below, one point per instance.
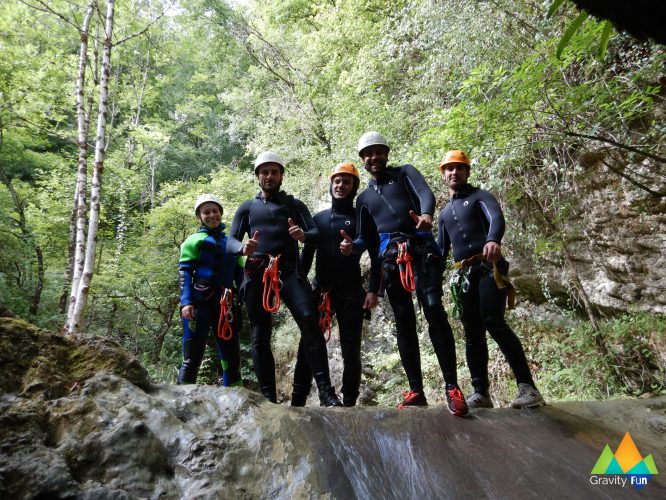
[(27, 237), (574, 276), (578, 285), (167, 322), (131, 146), (83, 124), (37, 295), (74, 323)]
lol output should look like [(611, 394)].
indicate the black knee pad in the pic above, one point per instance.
[(495, 323), (431, 300)]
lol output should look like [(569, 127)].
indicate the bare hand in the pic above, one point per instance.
[(295, 231), (371, 300), (346, 243), (492, 251), (187, 312), (423, 222), (251, 245)]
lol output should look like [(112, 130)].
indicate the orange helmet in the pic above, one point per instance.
[(345, 168), (454, 156)]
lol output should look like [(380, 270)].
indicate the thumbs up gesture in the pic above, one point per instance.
[(423, 222), (346, 243), (251, 245), (295, 231)]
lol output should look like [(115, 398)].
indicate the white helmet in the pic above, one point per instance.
[(371, 139), (207, 198), (268, 157)]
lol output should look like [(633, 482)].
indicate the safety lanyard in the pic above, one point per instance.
[(272, 285), (224, 329), (459, 283), (325, 314), (404, 261)]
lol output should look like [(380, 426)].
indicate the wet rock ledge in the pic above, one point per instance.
[(79, 418)]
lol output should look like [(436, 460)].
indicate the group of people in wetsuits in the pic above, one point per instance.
[(392, 220)]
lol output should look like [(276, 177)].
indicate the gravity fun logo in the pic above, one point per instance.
[(625, 466)]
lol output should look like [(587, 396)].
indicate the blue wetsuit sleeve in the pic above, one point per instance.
[(419, 186), (239, 228), (189, 254), (493, 213), (185, 271)]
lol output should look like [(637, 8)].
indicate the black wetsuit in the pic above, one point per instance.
[(270, 218), (383, 216), (470, 220), (341, 276)]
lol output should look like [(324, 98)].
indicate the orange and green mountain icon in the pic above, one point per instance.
[(626, 460)]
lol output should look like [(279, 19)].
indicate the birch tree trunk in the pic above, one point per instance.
[(75, 264), (74, 321)]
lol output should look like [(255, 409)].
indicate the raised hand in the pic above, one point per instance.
[(346, 243), (295, 231), (251, 245), (423, 222)]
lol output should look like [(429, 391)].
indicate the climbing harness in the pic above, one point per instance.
[(404, 261), (272, 285), (325, 314), (224, 328), (459, 283)]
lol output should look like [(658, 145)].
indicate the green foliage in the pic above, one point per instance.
[(195, 97), (573, 27), (568, 365)]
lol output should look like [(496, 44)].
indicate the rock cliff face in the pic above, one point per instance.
[(626, 254), (80, 419), (616, 234)]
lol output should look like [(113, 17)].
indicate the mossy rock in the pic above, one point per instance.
[(47, 364)]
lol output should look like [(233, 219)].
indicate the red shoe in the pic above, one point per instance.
[(456, 401), (413, 398)]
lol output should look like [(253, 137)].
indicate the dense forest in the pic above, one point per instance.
[(114, 117)]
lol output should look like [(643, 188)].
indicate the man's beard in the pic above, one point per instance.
[(379, 167), (274, 188)]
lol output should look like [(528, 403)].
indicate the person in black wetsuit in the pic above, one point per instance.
[(275, 222), (207, 273), (472, 222), (339, 276), (394, 214)]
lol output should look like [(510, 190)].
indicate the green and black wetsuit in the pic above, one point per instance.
[(206, 269)]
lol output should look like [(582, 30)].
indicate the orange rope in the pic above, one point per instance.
[(325, 314), (404, 262), (224, 330), (272, 285)]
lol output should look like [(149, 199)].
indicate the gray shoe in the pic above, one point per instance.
[(528, 397), (478, 400)]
